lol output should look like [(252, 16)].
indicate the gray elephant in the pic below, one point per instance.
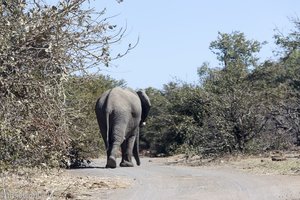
[(120, 113)]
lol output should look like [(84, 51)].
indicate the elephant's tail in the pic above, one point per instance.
[(136, 150), (107, 120), (107, 130)]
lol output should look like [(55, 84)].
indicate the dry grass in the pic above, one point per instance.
[(290, 165), (257, 165), (36, 185)]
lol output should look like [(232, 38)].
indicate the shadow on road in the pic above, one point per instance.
[(87, 164), (87, 167)]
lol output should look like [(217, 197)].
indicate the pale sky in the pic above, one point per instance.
[(175, 35)]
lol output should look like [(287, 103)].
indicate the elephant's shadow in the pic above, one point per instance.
[(86, 165)]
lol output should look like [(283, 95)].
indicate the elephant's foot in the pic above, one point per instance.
[(126, 164), (111, 162)]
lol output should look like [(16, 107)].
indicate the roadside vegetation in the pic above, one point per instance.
[(241, 106), (48, 87)]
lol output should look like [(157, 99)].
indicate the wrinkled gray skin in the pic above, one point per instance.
[(120, 114)]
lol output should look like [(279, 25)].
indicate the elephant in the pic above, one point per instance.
[(120, 114)]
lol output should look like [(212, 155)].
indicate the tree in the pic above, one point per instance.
[(234, 105), (240, 106), (235, 51), (222, 115), (290, 63)]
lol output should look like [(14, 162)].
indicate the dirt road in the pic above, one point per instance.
[(156, 180)]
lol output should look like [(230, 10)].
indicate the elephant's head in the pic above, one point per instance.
[(146, 104)]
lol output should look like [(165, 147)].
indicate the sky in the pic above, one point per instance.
[(174, 36)]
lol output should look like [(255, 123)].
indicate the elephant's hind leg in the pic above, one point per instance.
[(112, 154), (116, 139), (111, 162), (127, 148)]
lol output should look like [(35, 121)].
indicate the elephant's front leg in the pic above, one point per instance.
[(127, 148)]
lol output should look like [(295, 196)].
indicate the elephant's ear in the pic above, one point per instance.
[(146, 104)]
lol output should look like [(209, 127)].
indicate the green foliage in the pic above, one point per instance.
[(234, 50), (241, 106), (174, 115), (232, 95)]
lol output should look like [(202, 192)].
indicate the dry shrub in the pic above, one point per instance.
[(40, 47)]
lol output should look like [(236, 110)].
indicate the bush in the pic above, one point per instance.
[(41, 47)]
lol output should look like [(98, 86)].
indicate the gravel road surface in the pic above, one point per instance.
[(155, 180)]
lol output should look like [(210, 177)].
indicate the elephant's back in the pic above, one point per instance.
[(123, 100)]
